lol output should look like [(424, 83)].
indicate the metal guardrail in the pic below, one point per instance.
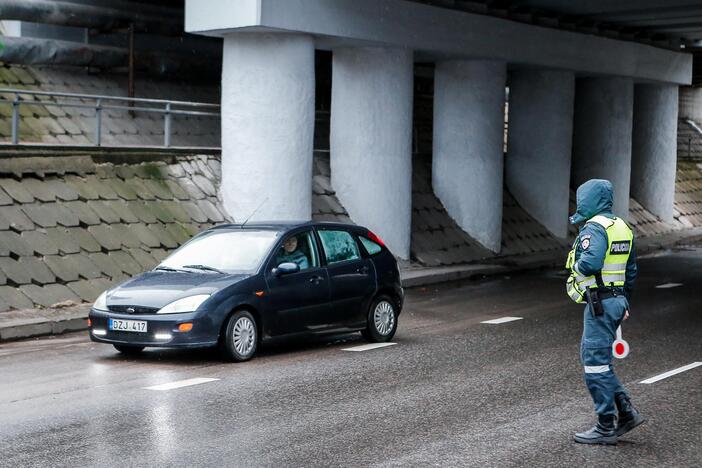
[(159, 106)]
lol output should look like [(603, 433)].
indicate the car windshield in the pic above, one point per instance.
[(230, 251)]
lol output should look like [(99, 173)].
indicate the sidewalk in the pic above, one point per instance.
[(29, 323)]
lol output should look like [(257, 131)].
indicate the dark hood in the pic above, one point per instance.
[(159, 288), (593, 197)]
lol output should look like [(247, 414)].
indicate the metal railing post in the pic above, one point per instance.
[(98, 123), (167, 126), (15, 119)]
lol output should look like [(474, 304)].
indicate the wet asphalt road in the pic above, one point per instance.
[(452, 392)]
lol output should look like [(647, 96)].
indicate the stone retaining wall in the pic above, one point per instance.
[(70, 226)]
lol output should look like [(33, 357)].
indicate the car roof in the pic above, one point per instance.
[(286, 225)]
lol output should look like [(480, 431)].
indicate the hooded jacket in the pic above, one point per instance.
[(595, 197)]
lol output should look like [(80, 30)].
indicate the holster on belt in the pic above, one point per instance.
[(594, 301)]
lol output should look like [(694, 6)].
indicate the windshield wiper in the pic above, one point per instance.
[(203, 267), (165, 268)]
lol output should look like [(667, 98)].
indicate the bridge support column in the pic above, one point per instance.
[(654, 152), (469, 99), (602, 135), (371, 140), (537, 165), (267, 125)]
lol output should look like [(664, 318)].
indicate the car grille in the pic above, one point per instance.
[(127, 309)]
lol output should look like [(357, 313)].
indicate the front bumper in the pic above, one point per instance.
[(162, 330)]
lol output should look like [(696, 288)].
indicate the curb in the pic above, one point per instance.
[(29, 323)]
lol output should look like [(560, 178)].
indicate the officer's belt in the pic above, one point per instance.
[(607, 292)]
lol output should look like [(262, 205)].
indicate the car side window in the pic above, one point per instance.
[(339, 246), (371, 247), (300, 249)]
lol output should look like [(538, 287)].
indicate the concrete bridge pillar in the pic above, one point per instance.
[(602, 135), (371, 139), (654, 152), (469, 99), (537, 165), (267, 125)]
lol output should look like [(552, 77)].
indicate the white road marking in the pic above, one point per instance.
[(668, 285), (665, 375), (367, 347), (180, 383), (502, 320)]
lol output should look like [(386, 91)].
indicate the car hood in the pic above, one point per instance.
[(156, 289)]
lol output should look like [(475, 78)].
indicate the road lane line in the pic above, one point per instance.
[(665, 375), (668, 285), (502, 320), (180, 383), (367, 347)]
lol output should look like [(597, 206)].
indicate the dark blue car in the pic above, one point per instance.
[(234, 286)]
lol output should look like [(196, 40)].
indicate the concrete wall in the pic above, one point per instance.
[(654, 151), (371, 140), (267, 125), (537, 165), (469, 99), (602, 135)]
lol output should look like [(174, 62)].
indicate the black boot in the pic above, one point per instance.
[(602, 433), (629, 417)]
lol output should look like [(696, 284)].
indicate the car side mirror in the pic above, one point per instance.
[(286, 268)]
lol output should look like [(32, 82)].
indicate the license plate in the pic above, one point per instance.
[(138, 326)]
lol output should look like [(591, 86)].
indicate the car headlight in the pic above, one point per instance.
[(187, 304), (101, 302)]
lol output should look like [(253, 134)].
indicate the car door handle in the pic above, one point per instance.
[(362, 270), (316, 279)]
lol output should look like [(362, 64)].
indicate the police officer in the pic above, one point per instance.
[(602, 264)]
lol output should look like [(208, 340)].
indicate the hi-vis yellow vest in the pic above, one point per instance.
[(619, 242)]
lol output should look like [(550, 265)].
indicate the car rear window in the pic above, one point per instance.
[(339, 246), (371, 247)]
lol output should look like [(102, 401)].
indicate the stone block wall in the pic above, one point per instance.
[(71, 226)]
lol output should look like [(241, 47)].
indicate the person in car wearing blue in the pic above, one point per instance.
[(289, 253), (602, 264)]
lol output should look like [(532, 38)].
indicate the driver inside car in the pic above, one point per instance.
[(289, 253)]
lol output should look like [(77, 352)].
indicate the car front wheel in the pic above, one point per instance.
[(382, 320), (240, 337)]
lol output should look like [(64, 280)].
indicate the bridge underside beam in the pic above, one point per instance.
[(439, 33)]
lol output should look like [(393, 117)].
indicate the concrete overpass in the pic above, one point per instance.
[(580, 106)]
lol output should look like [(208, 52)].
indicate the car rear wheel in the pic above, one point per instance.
[(382, 320), (129, 350), (240, 337)]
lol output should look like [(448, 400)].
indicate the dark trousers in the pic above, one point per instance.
[(596, 354)]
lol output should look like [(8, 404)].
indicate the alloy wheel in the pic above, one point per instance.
[(384, 317), (244, 336)]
